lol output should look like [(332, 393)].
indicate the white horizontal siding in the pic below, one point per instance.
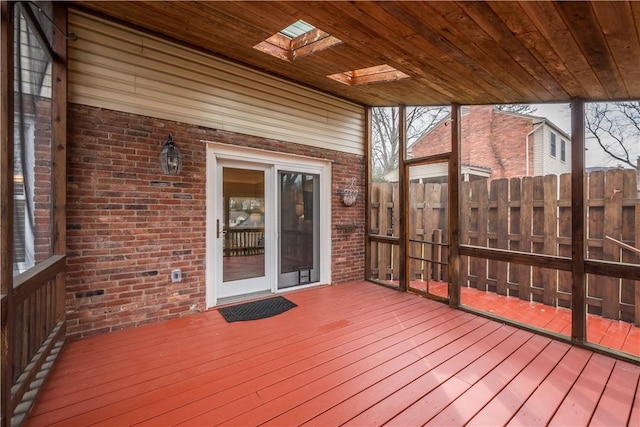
[(539, 144), (553, 165), (123, 69)]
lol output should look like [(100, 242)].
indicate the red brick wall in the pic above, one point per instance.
[(437, 141), (490, 139), (508, 145), (129, 225)]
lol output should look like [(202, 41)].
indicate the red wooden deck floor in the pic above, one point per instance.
[(356, 354), (613, 334)]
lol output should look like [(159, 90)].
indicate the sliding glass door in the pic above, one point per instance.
[(298, 229), (240, 227)]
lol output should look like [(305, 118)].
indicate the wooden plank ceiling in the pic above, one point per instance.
[(464, 52)]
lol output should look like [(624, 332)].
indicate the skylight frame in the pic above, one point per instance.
[(377, 74), (283, 46)]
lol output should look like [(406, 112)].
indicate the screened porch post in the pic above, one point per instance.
[(6, 213), (59, 150), (578, 302), (367, 197), (403, 258), (454, 208)]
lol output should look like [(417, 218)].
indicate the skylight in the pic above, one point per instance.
[(297, 29), (296, 41), (363, 76)]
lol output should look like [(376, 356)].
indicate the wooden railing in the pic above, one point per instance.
[(33, 330), (243, 241)]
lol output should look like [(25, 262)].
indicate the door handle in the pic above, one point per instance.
[(218, 232)]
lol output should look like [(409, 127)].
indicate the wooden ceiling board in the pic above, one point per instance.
[(588, 35), (521, 59), (340, 58), (405, 26), (454, 51), (487, 44), (556, 33), (433, 28), (365, 32), (523, 28), (621, 35), (368, 53)]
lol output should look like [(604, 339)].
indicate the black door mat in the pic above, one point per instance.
[(256, 309)]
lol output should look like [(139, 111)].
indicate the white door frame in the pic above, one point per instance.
[(253, 284), (277, 161)]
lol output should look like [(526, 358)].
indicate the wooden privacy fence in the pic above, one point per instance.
[(528, 214), (428, 247)]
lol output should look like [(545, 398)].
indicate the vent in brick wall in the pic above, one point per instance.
[(87, 294)]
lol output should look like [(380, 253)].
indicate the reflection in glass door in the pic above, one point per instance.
[(242, 229), (299, 229), (428, 229)]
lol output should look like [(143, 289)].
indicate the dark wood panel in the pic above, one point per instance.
[(620, 31), (587, 33), (520, 58), (465, 52), (525, 30)]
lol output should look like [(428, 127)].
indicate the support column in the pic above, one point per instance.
[(578, 294), (6, 210), (404, 199), (454, 207)]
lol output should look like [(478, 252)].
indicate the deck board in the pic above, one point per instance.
[(581, 401), (615, 404), (543, 403), (356, 354), (437, 370), (503, 405)]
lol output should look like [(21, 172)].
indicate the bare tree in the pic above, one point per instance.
[(517, 108), (615, 126), (385, 133)]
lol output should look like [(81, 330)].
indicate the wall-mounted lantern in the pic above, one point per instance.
[(170, 158)]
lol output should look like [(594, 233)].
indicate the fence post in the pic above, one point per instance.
[(595, 235), (465, 215), (394, 206), (629, 236), (498, 226), (479, 209), (550, 237), (431, 223), (374, 228), (384, 250), (564, 239), (526, 231), (611, 251), (417, 217)]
